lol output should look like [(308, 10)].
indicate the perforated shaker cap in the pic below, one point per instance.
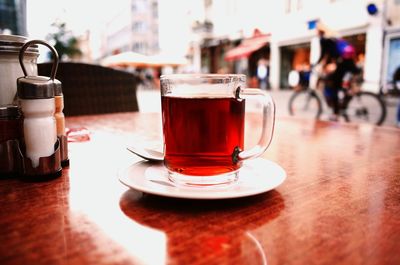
[(36, 87)]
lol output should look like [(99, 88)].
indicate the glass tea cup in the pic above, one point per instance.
[(203, 119)]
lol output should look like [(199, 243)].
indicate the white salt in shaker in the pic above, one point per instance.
[(36, 99), (40, 133)]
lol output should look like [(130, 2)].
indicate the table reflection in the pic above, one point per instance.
[(195, 227)]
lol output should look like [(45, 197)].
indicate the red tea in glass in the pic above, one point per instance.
[(201, 135), (203, 125)]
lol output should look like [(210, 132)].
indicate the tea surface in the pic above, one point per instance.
[(201, 134)]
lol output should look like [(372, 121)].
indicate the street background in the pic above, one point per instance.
[(270, 40), (149, 101)]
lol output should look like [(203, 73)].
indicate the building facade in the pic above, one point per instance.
[(391, 51), (135, 29), (293, 43)]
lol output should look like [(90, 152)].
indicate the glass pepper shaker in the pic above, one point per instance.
[(60, 122)]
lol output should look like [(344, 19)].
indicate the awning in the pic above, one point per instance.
[(126, 59), (247, 47), (133, 59)]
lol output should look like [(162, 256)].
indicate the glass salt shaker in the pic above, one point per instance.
[(36, 99)]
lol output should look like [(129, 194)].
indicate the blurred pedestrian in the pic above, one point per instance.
[(262, 73), (398, 115), (396, 80), (396, 91)]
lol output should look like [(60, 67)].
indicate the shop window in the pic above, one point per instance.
[(299, 4), (288, 6), (140, 47), (139, 6), (293, 5), (139, 26), (155, 9), (393, 59)]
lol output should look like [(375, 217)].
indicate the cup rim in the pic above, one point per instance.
[(201, 76)]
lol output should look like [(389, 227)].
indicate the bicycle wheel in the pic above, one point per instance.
[(305, 104), (366, 107)]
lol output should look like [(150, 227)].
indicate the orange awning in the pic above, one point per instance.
[(247, 47)]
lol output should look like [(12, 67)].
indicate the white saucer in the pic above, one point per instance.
[(256, 176)]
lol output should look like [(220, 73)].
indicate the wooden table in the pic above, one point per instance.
[(340, 203)]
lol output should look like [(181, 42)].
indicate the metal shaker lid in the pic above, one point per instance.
[(57, 88), (38, 87), (9, 112)]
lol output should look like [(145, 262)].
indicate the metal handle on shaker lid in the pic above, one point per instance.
[(53, 50), (267, 124)]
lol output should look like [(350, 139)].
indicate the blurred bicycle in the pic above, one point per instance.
[(355, 105)]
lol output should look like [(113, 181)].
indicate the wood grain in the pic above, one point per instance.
[(340, 203)]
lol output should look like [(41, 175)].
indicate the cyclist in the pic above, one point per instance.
[(396, 80), (337, 61)]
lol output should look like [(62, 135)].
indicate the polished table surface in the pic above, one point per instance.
[(340, 203)]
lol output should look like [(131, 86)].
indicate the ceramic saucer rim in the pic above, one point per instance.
[(165, 188)]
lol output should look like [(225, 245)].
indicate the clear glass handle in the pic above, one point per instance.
[(267, 124)]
